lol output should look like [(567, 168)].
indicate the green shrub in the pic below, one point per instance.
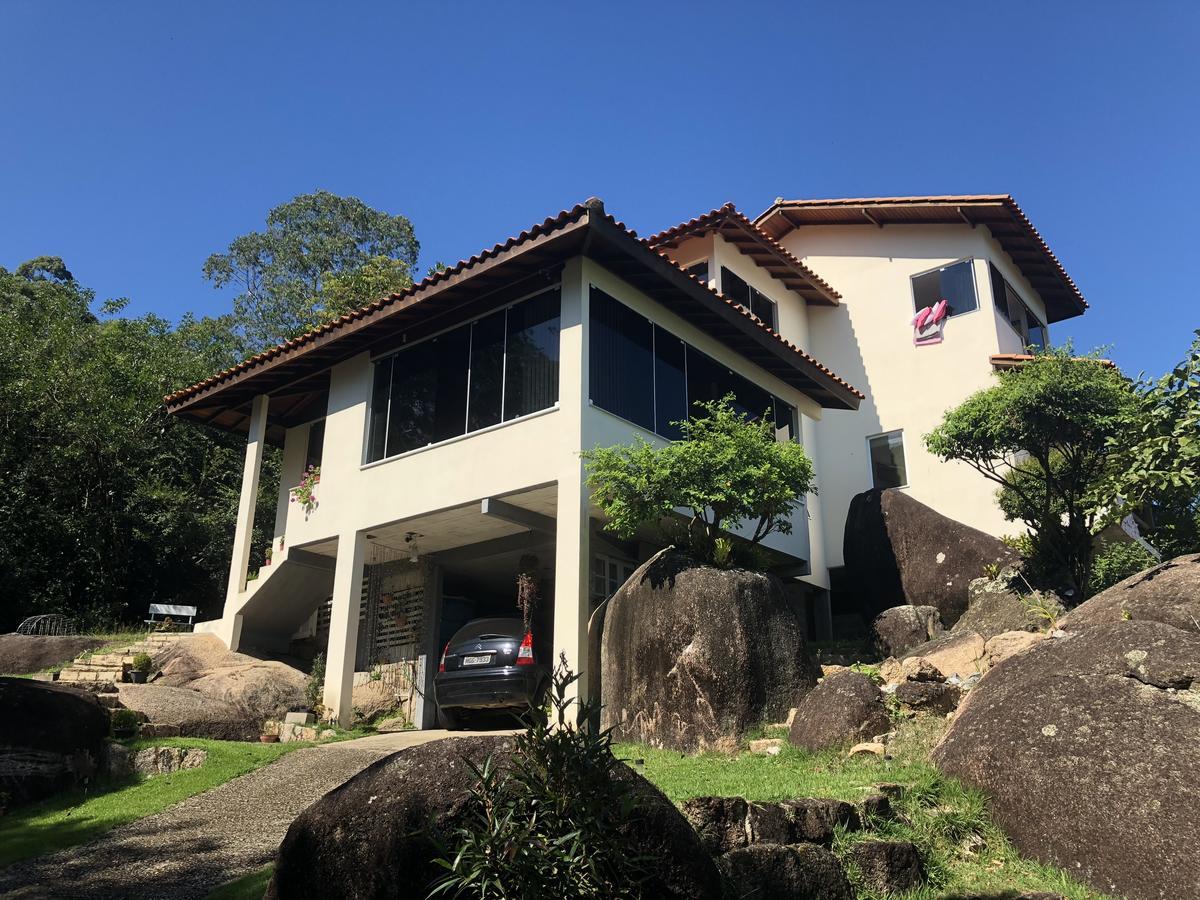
[(142, 662), (728, 469), (548, 824), (1117, 561), (123, 720), (315, 686)]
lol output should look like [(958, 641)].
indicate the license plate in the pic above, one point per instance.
[(477, 660)]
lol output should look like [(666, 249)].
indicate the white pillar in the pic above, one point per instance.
[(256, 441), (343, 626), (571, 564)]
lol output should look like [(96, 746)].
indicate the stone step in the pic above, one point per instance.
[(158, 730), (110, 701), (70, 675)]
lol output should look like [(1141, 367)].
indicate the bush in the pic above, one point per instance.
[(548, 824), (123, 720), (1117, 561), (728, 469), (142, 662), (314, 688)]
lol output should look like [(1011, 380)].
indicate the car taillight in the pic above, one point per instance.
[(442, 664), (525, 654)]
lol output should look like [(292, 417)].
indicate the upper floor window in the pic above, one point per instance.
[(954, 283), (699, 271), (503, 366), (643, 373), (736, 289), (887, 460), (1016, 311), (315, 444)]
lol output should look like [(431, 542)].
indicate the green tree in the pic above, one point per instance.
[(300, 270), (727, 469), (1043, 433)]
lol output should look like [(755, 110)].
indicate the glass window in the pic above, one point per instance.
[(531, 355), (380, 394), (429, 392), (699, 271), (735, 288), (786, 426), (1016, 312), (954, 283), (670, 384), (316, 444), (887, 460), (486, 393), (621, 366)]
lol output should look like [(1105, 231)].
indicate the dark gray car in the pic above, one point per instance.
[(489, 664)]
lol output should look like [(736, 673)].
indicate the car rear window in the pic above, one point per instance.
[(510, 628)]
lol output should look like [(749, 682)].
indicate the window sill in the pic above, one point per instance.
[(461, 437)]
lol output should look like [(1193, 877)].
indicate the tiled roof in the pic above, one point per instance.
[(999, 212), (1012, 360), (727, 219)]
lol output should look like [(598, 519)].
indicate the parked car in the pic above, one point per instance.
[(488, 664)]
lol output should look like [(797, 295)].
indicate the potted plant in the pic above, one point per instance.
[(140, 671), (123, 723), (267, 557), (268, 738)]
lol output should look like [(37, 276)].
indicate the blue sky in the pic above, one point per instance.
[(139, 137)]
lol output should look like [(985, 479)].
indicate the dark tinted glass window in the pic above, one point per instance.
[(999, 296), (708, 380), (735, 288), (670, 385), (621, 366), (316, 444), (1010, 305), (531, 367), (379, 409), (429, 392), (955, 284), (764, 307), (487, 371), (785, 421), (887, 460), (699, 271)]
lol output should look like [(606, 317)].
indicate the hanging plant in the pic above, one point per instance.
[(305, 493), (527, 587)]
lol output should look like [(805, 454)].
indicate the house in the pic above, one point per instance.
[(447, 420)]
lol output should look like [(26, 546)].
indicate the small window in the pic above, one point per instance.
[(887, 460), (699, 271), (316, 443), (1016, 312), (954, 283), (608, 574), (735, 288)]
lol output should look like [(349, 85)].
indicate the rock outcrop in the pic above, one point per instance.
[(23, 654), (902, 628), (887, 867), (1167, 593), (695, 657), (898, 550), (845, 708), (52, 737), (959, 654), (1088, 745), (795, 872), (375, 836), (190, 713), (995, 605)]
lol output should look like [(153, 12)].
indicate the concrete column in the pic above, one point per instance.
[(343, 625), (256, 441), (571, 570)]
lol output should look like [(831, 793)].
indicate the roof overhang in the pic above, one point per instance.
[(1001, 215), (751, 240), (297, 371)]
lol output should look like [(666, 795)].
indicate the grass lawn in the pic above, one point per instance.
[(963, 851), (248, 887), (82, 815)]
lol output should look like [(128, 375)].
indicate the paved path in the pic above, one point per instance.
[(191, 848)]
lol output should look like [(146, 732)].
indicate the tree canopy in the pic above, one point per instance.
[(729, 470), (319, 256)]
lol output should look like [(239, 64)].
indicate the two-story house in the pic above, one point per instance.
[(447, 421)]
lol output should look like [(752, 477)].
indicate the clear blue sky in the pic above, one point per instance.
[(138, 137)]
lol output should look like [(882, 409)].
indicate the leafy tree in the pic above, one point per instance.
[(1043, 433), (727, 469), (300, 270)]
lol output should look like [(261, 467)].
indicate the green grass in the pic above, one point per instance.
[(83, 815), (116, 640), (248, 887), (963, 851)]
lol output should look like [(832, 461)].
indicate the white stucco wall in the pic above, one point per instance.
[(868, 341)]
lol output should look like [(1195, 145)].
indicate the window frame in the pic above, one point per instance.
[(970, 260), (622, 564), (1007, 286), (706, 261), (871, 460), (751, 290), (394, 352)]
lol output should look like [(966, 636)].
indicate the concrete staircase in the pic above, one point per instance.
[(100, 669)]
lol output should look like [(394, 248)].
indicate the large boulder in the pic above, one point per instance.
[(375, 836), (52, 737), (1168, 593), (201, 663), (795, 872), (1088, 746), (995, 606), (191, 713), (695, 657), (844, 709), (23, 654), (958, 654), (901, 628), (898, 550)]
